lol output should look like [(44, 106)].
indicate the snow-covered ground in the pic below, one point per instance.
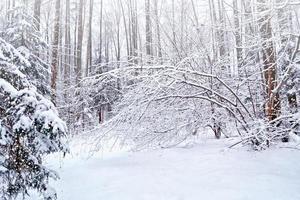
[(207, 170)]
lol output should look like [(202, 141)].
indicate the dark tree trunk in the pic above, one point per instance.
[(89, 45), (79, 43), (55, 57)]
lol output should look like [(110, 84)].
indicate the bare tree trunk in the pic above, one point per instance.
[(55, 57), (130, 58), (118, 42), (140, 45), (133, 34), (61, 48), (237, 34), (118, 51), (79, 43), (159, 50), (100, 33), (182, 23), (213, 19), (118, 45), (216, 51), (89, 45), (67, 63), (272, 108), (221, 29), (106, 43), (75, 39), (173, 26), (126, 29), (149, 49)]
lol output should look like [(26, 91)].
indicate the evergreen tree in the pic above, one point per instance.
[(29, 129), (22, 33)]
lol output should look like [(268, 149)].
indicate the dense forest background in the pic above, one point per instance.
[(152, 73)]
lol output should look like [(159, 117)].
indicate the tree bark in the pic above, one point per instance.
[(125, 29), (79, 43), (55, 57), (159, 49), (100, 33), (134, 29), (89, 45), (272, 107), (149, 49), (67, 63), (237, 34)]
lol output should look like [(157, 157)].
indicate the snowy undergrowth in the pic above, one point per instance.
[(207, 169)]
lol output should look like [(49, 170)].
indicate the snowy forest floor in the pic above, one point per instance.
[(205, 170)]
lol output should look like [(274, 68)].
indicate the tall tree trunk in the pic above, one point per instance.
[(79, 43), (272, 107), (117, 42), (55, 57), (149, 49), (125, 29), (173, 27), (106, 43), (213, 19), (221, 29), (89, 45), (118, 50), (215, 51), (133, 31), (182, 25), (67, 63), (100, 31), (237, 34), (159, 50), (129, 5), (75, 38)]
